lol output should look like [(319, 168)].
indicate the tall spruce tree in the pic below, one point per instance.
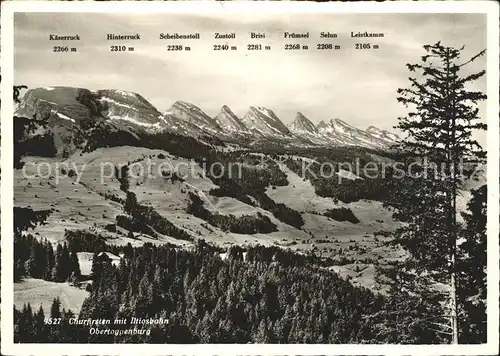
[(50, 258), (442, 153), (471, 267), (59, 269), (55, 308), (75, 265)]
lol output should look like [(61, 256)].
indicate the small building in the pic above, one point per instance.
[(115, 260)]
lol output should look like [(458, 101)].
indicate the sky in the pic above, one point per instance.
[(357, 86)]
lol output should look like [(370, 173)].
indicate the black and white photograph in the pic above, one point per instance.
[(250, 177)]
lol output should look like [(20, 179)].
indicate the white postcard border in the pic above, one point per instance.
[(490, 8)]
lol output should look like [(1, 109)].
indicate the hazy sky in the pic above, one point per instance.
[(354, 85)]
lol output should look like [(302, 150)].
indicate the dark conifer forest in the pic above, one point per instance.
[(262, 295)]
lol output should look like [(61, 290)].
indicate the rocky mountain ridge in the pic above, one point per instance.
[(67, 106)]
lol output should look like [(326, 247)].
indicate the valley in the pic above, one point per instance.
[(92, 199), (124, 187), (83, 205)]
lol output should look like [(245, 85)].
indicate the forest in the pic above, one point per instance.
[(266, 295), (251, 182), (39, 260), (342, 214), (148, 218), (331, 185), (244, 224)]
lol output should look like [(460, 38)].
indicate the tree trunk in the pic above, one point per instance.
[(451, 201), (453, 306), (453, 217)]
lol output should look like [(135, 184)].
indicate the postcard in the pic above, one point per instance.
[(279, 178)]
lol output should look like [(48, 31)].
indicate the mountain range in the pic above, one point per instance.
[(133, 113)]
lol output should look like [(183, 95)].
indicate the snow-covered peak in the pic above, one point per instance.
[(228, 121), (264, 122), (71, 102), (125, 93), (187, 106), (339, 132), (322, 125), (131, 108), (117, 92), (123, 97), (302, 124), (337, 126), (383, 134), (193, 114), (373, 129), (342, 126)]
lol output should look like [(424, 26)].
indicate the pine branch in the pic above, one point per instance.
[(474, 58)]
